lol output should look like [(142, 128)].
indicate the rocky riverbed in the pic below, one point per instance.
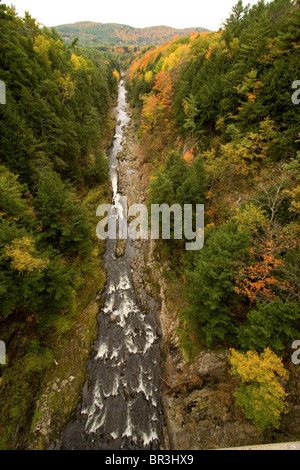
[(197, 396)]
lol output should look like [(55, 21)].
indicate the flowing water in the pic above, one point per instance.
[(120, 406)]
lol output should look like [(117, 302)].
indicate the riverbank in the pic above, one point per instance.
[(42, 406), (120, 406), (61, 387), (197, 394), (49, 400)]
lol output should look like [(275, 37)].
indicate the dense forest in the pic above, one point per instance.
[(53, 173), (219, 127), (217, 118)]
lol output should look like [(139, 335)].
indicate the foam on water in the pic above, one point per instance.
[(129, 428), (102, 351), (148, 438), (150, 338), (121, 398)]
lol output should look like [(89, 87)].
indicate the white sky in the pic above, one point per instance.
[(139, 13)]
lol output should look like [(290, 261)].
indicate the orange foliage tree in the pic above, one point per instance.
[(259, 279), (163, 87), (157, 107)]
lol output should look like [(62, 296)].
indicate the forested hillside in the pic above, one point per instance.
[(218, 126), (215, 121), (54, 128), (95, 34)]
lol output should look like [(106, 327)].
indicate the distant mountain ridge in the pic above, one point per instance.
[(90, 32)]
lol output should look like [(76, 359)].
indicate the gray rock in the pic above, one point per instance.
[(120, 248)]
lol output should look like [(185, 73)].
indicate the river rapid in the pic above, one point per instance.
[(121, 406)]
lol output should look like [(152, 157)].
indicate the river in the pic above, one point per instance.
[(121, 406)]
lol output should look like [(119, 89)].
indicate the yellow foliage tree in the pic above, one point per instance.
[(116, 75), (67, 86), (177, 58), (250, 217), (79, 62), (241, 156), (21, 251), (260, 395), (149, 76), (42, 46)]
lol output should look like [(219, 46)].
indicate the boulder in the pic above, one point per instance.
[(120, 248)]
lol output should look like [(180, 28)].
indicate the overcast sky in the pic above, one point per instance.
[(139, 13)]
